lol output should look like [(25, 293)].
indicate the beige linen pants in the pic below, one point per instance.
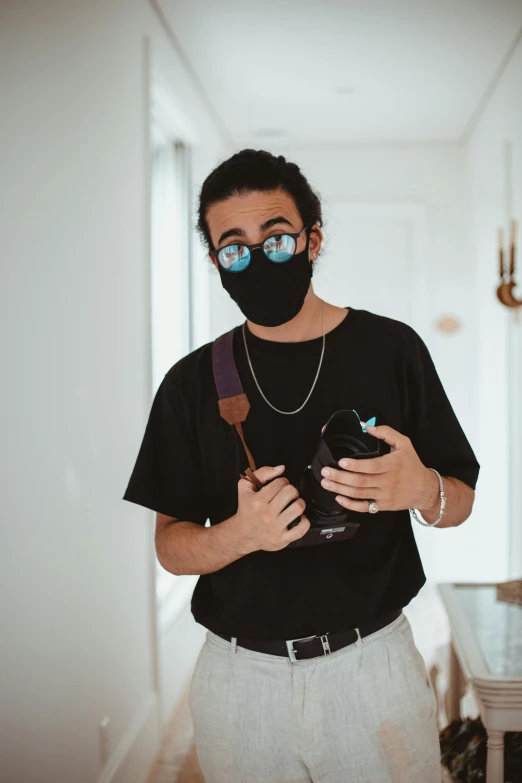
[(363, 714)]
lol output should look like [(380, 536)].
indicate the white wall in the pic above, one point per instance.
[(432, 179), (78, 621), (494, 169)]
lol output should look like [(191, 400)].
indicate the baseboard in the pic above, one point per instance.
[(137, 749)]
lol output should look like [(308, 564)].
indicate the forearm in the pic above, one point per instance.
[(188, 548), (459, 502)]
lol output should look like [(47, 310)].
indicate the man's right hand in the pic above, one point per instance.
[(262, 518)]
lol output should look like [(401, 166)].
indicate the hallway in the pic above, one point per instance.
[(405, 120)]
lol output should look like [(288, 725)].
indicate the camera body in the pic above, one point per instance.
[(343, 435)]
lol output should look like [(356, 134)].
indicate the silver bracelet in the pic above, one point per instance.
[(442, 505)]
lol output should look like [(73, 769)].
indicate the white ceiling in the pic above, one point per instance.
[(419, 69)]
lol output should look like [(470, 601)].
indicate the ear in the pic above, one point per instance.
[(314, 244)]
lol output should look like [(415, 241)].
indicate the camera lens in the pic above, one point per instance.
[(345, 445)]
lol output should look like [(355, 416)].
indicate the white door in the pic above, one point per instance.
[(373, 259)]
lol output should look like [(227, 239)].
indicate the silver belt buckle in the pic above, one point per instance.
[(291, 652)]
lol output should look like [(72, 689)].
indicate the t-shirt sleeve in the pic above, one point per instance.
[(431, 422), (167, 475)]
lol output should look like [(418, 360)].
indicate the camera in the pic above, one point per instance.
[(343, 435)]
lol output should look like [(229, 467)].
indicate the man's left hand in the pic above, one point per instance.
[(395, 481)]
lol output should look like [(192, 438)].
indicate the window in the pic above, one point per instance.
[(170, 260)]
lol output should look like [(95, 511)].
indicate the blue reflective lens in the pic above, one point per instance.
[(235, 258), (279, 248)]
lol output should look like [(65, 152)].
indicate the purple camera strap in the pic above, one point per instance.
[(233, 402), (226, 376)]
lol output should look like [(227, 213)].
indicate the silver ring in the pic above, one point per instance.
[(373, 507)]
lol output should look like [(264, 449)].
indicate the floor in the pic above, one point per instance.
[(177, 760)]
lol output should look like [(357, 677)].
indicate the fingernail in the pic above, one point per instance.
[(344, 463), (325, 483), (325, 472), (279, 467), (339, 499)]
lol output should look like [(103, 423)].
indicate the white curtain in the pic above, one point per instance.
[(170, 271)]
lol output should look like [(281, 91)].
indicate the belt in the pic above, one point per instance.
[(314, 646)]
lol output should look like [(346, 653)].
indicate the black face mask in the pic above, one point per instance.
[(270, 294)]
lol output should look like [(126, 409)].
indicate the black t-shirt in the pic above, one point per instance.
[(190, 459)]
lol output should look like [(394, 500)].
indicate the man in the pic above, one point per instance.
[(309, 671)]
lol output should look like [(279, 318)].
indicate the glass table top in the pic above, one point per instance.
[(497, 626)]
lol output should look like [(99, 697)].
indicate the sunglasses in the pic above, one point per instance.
[(278, 249)]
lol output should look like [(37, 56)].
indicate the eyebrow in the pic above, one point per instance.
[(263, 227)]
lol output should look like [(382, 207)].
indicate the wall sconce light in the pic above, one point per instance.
[(507, 284)]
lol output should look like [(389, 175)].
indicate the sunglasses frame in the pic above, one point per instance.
[(295, 236)]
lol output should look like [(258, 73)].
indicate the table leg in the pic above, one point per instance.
[(495, 765), (454, 686)]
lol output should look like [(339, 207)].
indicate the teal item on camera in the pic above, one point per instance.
[(371, 421)]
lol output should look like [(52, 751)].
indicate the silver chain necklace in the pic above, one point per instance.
[(313, 384)]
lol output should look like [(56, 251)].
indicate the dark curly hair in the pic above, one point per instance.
[(250, 170)]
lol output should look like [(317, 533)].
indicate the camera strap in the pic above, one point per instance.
[(233, 401)]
